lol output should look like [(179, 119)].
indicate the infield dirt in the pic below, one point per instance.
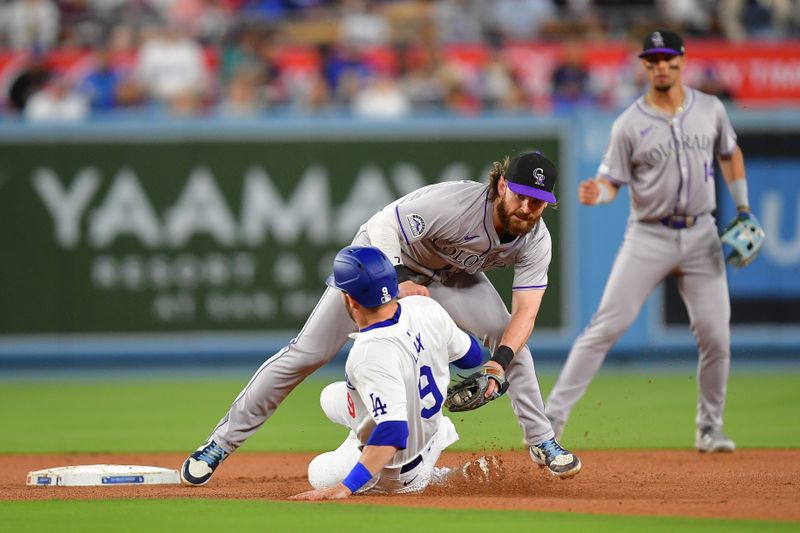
[(748, 484)]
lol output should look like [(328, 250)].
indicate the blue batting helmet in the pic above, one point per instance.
[(366, 274)]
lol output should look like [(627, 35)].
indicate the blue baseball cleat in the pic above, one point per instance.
[(559, 461), (199, 467)]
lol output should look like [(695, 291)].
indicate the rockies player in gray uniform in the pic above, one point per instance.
[(663, 147), (441, 238)]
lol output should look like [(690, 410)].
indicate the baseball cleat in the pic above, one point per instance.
[(199, 467), (713, 440), (559, 461)]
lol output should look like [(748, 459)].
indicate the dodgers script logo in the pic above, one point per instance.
[(416, 224), (538, 177), (658, 40)]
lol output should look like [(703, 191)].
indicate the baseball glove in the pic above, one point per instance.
[(745, 237), (470, 392)]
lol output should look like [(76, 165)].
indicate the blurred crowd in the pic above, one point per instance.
[(71, 59)]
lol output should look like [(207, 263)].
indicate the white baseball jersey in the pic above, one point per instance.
[(397, 370), (664, 180), (448, 227)]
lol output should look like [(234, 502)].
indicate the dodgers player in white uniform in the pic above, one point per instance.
[(441, 238), (663, 147), (396, 379)]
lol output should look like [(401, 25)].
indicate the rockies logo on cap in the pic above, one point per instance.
[(657, 39), (532, 174), (662, 42), (538, 177)]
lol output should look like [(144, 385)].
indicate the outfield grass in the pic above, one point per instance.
[(244, 515), (637, 410), (621, 410)]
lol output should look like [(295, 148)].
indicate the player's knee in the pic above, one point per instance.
[(607, 327), (491, 330), (329, 468), (333, 400), (714, 346), (710, 336), (326, 470), (491, 337)]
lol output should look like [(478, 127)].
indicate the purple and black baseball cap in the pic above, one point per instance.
[(532, 174), (662, 42)]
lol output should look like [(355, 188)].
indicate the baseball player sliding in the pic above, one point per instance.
[(440, 239), (396, 379), (663, 147)]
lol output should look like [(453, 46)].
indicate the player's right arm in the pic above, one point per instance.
[(373, 459), (614, 170), (379, 383)]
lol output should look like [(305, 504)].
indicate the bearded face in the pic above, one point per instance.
[(518, 214)]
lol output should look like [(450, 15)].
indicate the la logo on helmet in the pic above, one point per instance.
[(538, 177)]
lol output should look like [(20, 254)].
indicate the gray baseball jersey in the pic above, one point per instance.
[(668, 163), (446, 233), (446, 228)]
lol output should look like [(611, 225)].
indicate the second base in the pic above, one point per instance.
[(102, 475)]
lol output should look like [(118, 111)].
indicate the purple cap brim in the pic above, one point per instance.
[(533, 192), (654, 51)]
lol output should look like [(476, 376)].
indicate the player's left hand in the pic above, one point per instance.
[(493, 390), (745, 237), (337, 492), (409, 288)]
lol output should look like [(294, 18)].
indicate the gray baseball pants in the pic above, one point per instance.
[(649, 253)]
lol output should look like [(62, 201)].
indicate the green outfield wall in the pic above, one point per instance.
[(157, 233)]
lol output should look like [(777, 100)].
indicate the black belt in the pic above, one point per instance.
[(679, 221), (411, 465)]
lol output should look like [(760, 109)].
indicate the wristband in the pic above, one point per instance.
[(357, 478), (738, 190), (403, 273), (603, 197), (503, 356)]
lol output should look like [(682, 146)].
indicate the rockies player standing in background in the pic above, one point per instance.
[(663, 148), (396, 378), (441, 238)]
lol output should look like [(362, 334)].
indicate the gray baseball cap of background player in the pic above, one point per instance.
[(662, 42), (532, 174)]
